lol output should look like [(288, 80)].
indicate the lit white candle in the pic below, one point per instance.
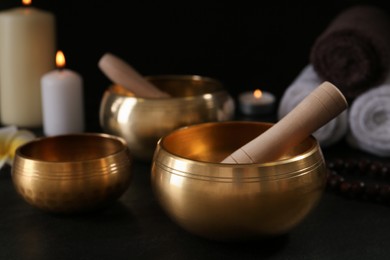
[(257, 102), (27, 49), (62, 100)]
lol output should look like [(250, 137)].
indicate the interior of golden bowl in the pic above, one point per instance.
[(212, 142), (178, 85), (72, 147)]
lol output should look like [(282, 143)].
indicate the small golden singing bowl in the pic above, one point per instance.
[(234, 201), (141, 122), (72, 173)]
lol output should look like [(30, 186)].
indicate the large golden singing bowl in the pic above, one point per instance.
[(234, 201), (141, 122), (72, 173)]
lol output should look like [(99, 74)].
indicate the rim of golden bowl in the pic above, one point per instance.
[(119, 90), (192, 77), (123, 147), (284, 162)]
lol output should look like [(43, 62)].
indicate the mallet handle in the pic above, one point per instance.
[(319, 107), (120, 72)]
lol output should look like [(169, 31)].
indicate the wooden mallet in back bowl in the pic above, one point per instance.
[(322, 105), (120, 72)]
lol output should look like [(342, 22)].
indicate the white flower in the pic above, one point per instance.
[(10, 139)]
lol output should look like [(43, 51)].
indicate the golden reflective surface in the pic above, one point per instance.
[(72, 173), (234, 201), (141, 122)]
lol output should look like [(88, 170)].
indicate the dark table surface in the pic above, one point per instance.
[(135, 227)]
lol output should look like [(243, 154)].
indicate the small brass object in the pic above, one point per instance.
[(234, 201), (72, 173), (141, 121)]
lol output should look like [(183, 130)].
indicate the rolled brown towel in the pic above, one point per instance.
[(354, 51)]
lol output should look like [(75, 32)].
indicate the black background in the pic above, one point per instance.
[(244, 44)]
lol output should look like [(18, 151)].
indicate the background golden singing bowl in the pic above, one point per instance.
[(141, 122), (72, 173), (234, 201)]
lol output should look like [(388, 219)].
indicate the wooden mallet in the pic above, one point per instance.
[(121, 73), (322, 105)]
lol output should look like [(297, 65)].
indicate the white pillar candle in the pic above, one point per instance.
[(62, 100), (27, 49)]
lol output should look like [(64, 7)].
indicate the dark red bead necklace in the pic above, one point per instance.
[(361, 179)]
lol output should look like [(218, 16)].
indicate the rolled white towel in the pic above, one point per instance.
[(305, 83), (369, 121)]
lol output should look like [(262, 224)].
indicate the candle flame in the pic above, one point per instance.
[(60, 59), (257, 93), (26, 2)]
